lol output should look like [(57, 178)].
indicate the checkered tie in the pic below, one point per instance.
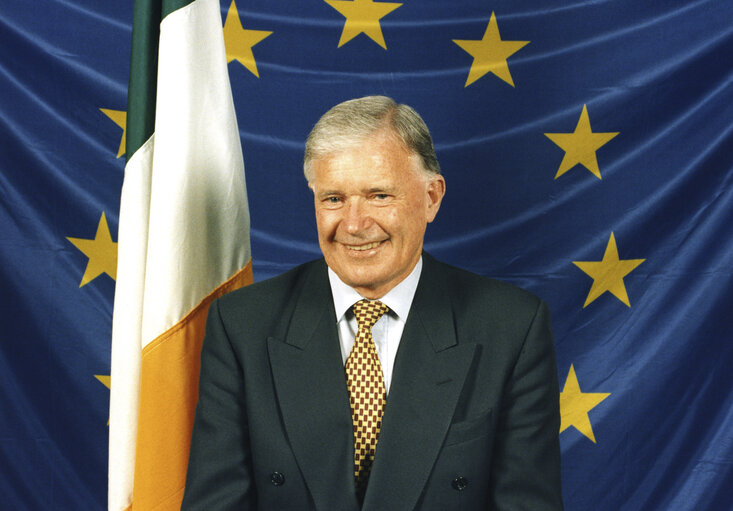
[(366, 389)]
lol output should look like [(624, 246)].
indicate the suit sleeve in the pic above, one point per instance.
[(219, 467), (525, 473)]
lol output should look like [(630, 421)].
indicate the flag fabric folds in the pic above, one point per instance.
[(586, 148), (183, 239)]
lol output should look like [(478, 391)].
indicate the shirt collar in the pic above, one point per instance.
[(398, 299)]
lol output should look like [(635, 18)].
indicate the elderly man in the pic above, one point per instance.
[(376, 378)]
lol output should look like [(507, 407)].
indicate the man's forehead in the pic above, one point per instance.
[(360, 179), (367, 163)]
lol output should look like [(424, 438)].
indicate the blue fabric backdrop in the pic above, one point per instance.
[(645, 367)]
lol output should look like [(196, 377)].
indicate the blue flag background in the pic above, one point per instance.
[(592, 165)]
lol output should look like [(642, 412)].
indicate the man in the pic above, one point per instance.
[(450, 398)]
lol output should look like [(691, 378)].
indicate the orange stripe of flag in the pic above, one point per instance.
[(168, 394)]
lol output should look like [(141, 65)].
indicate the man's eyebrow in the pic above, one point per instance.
[(326, 193), (368, 191), (380, 189)]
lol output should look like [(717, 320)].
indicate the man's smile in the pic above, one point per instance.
[(366, 246)]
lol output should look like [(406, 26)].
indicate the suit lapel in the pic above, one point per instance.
[(429, 373), (311, 390)]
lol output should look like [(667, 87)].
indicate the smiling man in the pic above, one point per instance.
[(373, 202), (376, 378)]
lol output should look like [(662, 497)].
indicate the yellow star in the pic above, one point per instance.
[(101, 251), (575, 405), (239, 41), (119, 117), (105, 380), (490, 54), (580, 146), (362, 16), (608, 274)]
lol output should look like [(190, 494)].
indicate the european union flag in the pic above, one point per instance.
[(588, 153)]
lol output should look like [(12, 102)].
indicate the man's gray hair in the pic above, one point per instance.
[(349, 123)]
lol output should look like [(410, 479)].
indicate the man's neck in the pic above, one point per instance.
[(398, 299)]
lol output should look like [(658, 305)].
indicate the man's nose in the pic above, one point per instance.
[(357, 218)]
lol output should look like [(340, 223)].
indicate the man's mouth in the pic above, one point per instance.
[(367, 246)]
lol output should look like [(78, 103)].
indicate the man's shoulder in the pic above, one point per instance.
[(275, 292), (481, 304), (470, 286)]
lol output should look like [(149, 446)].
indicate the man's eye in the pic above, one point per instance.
[(381, 196), (333, 200)]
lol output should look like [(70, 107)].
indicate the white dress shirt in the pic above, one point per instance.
[(386, 332)]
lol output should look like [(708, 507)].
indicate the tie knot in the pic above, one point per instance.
[(368, 312)]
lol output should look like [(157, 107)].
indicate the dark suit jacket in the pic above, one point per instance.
[(471, 421)]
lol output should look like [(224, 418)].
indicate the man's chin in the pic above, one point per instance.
[(357, 279)]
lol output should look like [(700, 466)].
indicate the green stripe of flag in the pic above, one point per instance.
[(141, 90)]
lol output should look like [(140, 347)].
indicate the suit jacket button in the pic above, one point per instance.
[(277, 479), (459, 483)]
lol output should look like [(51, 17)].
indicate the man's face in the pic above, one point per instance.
[(373, 203)]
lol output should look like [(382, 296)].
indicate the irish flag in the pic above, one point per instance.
[(183, 240)]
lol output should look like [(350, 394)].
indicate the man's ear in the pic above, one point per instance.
[(435, 191)]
